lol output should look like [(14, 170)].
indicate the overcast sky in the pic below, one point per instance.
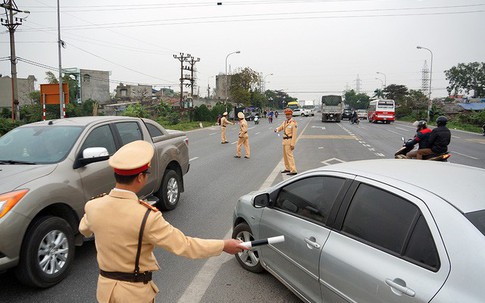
[(311, 48)]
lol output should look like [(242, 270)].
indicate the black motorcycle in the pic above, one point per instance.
[(401, 153)]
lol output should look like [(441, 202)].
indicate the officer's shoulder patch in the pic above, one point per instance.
[(147, 205), (98, 196)]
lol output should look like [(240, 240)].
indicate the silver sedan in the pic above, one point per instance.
[(372, 231)]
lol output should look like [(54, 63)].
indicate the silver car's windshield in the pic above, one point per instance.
[(478, 219), (37, 145)]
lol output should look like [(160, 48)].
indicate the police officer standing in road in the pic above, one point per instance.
[(243, 137), (224, 123), (128, 229), (289, 128)]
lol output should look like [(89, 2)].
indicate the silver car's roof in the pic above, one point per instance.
[(460, 185)]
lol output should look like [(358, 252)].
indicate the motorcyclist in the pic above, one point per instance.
[(438, 141), (421, 137), (354, 117)]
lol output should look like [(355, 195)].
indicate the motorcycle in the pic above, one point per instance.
[(401, 153), (256, 120), (355, 120)]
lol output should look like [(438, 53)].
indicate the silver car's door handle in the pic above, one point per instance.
[(405, 290), (312, 243)]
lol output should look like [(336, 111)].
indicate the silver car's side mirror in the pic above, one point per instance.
[(261, 200), (94, 152)]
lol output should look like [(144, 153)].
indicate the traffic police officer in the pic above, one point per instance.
[(243, 137), (289, 128), (224, 123), (128, 229)]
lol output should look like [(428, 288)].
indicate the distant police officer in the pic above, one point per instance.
[(224, 123), (243, 138), (289, 128), (128, 229)]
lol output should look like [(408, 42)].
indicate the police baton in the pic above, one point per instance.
[(272, 240)]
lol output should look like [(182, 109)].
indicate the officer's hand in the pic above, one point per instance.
[(292, 147), (233, 246), (275, 130)]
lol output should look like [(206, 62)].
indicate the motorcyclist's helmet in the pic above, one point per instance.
[(441, 121), (420, 124)]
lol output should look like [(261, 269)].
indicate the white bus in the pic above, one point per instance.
[(381, 110)]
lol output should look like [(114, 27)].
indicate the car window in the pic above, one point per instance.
[(129, 132), (390, 222), (478, 219), (100, 137), (153, 130), (311, 198)]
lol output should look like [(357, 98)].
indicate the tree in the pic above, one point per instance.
[(467, 77), (72, 84), (355, 100), (242, 85), (396, 92)]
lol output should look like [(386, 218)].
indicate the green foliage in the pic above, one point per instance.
[(5, 113), (35, 96), (202, 113), (241, 85), (80, 110), (467, 77), (356, 101), (6, 125), (278, 99), (398, 93), (135, 110)]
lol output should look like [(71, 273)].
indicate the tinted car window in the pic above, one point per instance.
[(421, 247), (391, 222), (129, 132), (311, 198), (153, 130), (100, 137), (478, 219)]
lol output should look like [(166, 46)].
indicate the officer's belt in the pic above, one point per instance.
[(144, 277), (135, 276), (223, 126), (287, 137)]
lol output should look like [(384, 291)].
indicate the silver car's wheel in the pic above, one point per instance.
[(248, 259), (52, 252)]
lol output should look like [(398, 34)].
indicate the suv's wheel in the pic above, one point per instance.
[(47, 252), (169, 193), (249, 259)]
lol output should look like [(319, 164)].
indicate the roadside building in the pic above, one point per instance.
[(24, 86)]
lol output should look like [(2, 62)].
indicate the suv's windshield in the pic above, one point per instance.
[(39, 144), (478, 219)]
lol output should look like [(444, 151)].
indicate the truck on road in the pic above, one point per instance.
[(50, 169), (332, 106)]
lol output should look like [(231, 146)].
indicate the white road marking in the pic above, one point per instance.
[(257, 133), (320, 147), (402, 128), (328, 161), (463, 155), (455, 137), (194, 158), (212, 134), (394, 132), (380, 154)]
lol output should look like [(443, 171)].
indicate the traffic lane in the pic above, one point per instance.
[(215, 182), (466, 148), (233, 284), (78, 287)]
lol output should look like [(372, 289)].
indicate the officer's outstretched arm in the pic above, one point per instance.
[(233, 246)]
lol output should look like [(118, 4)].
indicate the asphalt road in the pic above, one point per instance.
[(213, 185)]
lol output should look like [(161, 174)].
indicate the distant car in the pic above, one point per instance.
[(362, 113), (347, 114), (371, 231), (249, 116), (298, 112)]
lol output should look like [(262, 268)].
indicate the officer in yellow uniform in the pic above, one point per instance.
[(224, 123), (127, 230), (243, 137), (289, 128)]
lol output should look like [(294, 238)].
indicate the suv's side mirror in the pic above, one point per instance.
[(261, 200), (91, 155)]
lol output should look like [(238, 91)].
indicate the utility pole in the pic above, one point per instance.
[(12, 23), (60, 43), (192, 62), (182, 58)]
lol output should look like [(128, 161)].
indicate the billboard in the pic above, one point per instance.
[(51, 93)]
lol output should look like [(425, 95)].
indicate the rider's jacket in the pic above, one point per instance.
[(422, 137), (439, 139)]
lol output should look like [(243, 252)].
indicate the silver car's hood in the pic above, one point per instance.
[(15, 176)]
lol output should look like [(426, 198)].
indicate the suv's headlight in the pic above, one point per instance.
[(8, 200)]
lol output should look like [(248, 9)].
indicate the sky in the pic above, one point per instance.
[(307, 48)]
